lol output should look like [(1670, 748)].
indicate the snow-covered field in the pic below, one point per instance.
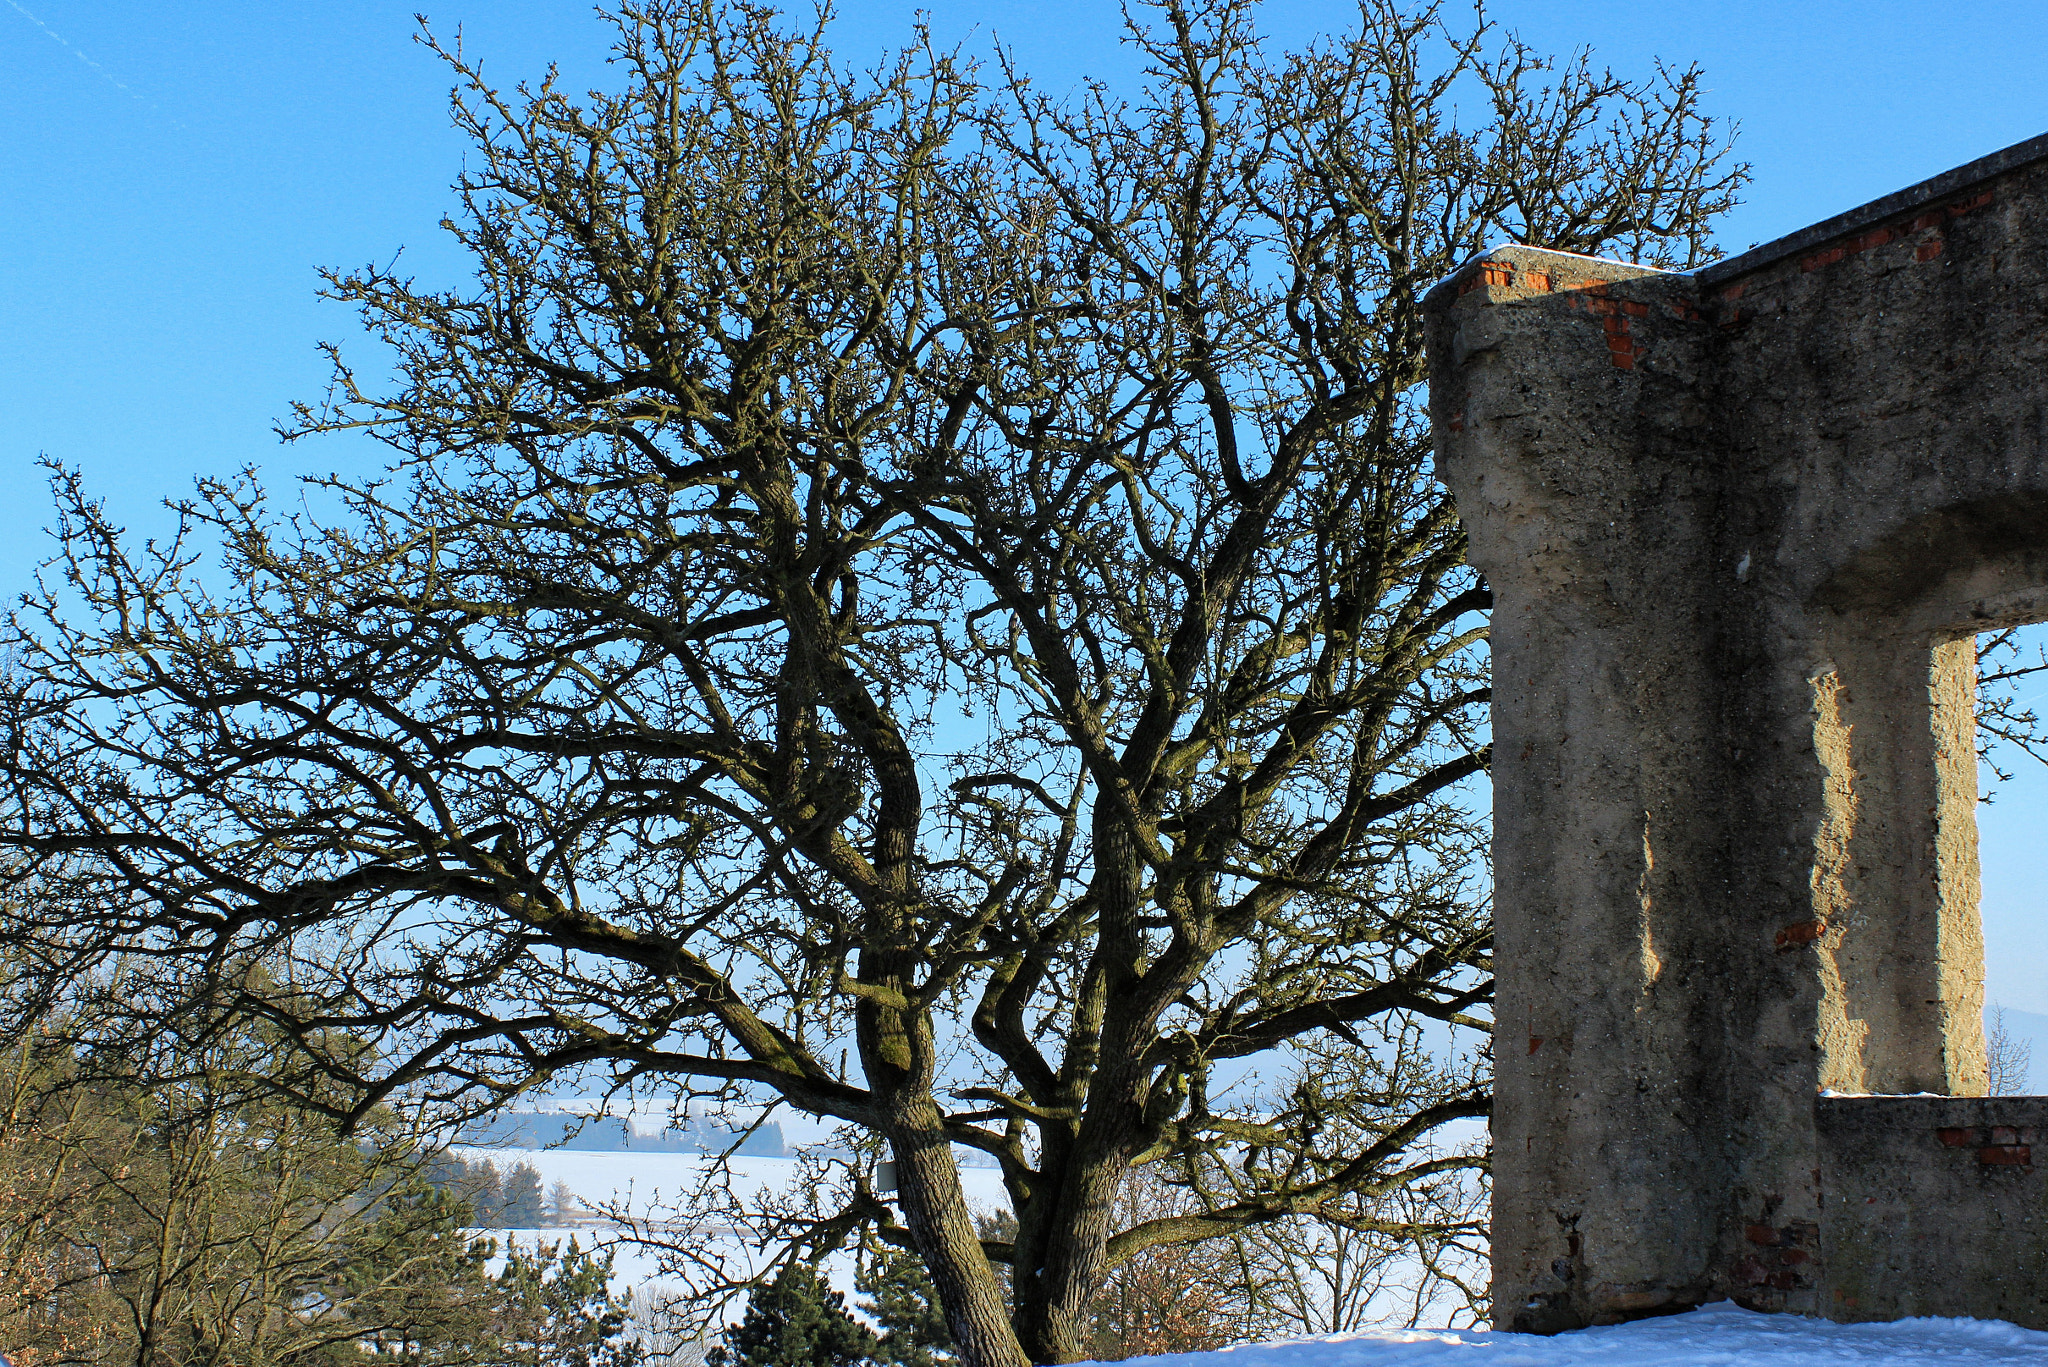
[(1713, 1336), (647, 1183)]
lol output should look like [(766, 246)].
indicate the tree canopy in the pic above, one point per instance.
[(897, 595)]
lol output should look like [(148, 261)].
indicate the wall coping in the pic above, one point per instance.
[(1841, 225), (1899, 201)]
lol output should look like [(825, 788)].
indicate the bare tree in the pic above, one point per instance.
[(1409, 1252), (2005, 719), (2010, 1059), (1172, 1297), (898, 596), (1411, 1257)]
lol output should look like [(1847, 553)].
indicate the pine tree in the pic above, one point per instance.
[(476, 1182), (486, 1194), (562, 1204), (522, 1208), (555, 1309), (414, 1284), (795, 1321), (901, 1300)]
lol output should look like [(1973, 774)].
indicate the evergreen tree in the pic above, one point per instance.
[(795, 1321), (522, 1207), (413, 1284), (555, 1309), (475, 1182), (901, 1300), (562, 1204), (487, 1194)]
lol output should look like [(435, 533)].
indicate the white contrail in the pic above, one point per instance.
[(59, 39)]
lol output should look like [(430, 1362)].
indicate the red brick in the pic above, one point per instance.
[(2014, 1155), (2004, 1134), (1928, 250), (1957, 1137), (1535, 1043), (1634, 309), (1622, 362), (1930, 219), (1792, 1257), (1489, 275), (1538, 281), (1734, 291), (1620, 344), (1760, 1234), (1802, 933)]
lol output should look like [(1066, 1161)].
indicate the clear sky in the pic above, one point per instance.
[(171, 172)]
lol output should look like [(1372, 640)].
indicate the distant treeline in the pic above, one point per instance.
[(554, 1130)]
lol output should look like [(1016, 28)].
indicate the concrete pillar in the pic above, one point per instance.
[(1742, 527)]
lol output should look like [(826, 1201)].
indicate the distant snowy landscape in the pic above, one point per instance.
[(649, 1185), (649, 1182), (1714, 1336)]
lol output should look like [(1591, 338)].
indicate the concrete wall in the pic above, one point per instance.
[(1933, 1206), (1740, 527)]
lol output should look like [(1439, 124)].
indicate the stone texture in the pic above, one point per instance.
[(1741, 528), (1932, 1206)]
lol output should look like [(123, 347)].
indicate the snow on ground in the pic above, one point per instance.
[(1713, 1336), (632, 1265)]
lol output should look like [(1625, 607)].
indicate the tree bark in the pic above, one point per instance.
[(1053, 1299), (935, 1210)]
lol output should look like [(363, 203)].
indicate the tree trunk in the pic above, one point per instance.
[(1054, 1296), (935, 1209)]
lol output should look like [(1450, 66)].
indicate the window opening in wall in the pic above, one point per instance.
[(2012, 853)]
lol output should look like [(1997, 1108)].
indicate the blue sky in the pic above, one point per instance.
[(171, 173)]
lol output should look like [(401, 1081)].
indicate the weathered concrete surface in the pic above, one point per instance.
[(1932, 1206), (1741, 528)]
